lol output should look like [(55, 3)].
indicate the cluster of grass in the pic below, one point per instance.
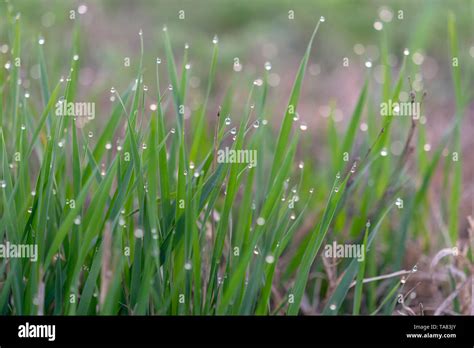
[(155, 225)]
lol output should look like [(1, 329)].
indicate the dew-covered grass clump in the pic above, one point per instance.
[(163, 179)]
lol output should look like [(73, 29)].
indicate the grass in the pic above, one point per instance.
[(156, 225)]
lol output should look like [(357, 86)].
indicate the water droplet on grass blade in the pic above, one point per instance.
[(227, 121), (269, 259), (303, 126), (138, 233), (268, 66)]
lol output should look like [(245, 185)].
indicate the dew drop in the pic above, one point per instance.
[(268, 66), (215, 40), (292, 216), (260, 221), (112, 90), (188, 266), (158, 60), (90, 134), (303, 126), (269, 259), (301, 165), (121, 221), (191, 165), (75, 57), (77, 220), (406, 52), (227, 121), (233, 131), (187, 66), (256, 124), (138, 233), (368, 64), (403, 280), (41, 41), (414, 269), (172, 130), (3, 184), (384, 152), (332, 307), (23, 127), (108, 146), (258, 82), (338, 175)]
